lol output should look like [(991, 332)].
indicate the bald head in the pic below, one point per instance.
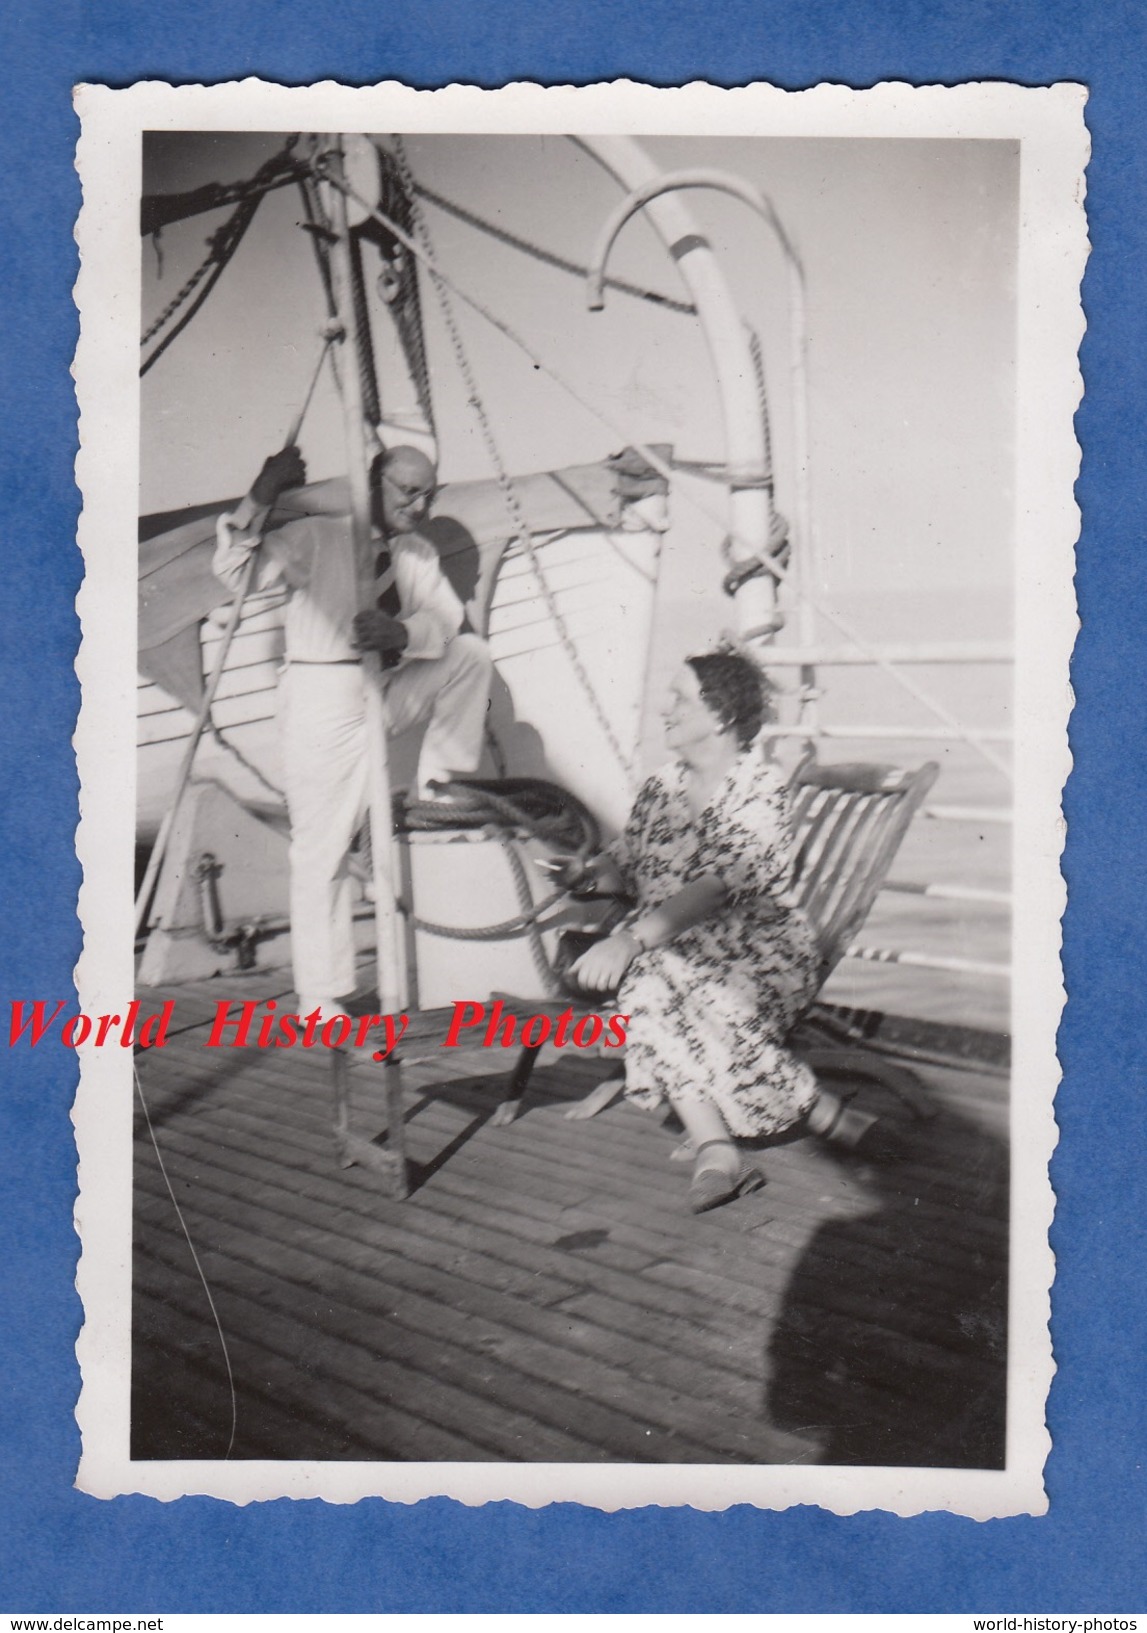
[(407, 479)]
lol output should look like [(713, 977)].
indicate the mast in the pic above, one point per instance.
[(392, 983)]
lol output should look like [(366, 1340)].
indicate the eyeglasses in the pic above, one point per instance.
[(408, 495)]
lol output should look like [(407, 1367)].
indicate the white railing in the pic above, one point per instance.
[(914, 652), (907, 734), (931, 961), (950, 893), (807, 658)]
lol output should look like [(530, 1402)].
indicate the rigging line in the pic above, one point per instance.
[(398, 281), (203, 713), (319, 230), (216, 733), (276, 172), (514, 508), (363, 338), (223, 247), (297, 426), (280, 169), (224, 742), (847, 629), (178, 299), (315, 227), (159, 210), (757, 355), (195, 1259), (549, 257)]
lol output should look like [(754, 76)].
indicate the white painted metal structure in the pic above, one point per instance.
[(747, 454)]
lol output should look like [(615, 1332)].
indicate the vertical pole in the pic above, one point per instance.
[(804, 557), (391, 964)]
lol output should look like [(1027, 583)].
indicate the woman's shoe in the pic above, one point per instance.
[(714, 1186), (834, 1120)]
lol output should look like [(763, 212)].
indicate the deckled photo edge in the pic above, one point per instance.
[(1049, 125)]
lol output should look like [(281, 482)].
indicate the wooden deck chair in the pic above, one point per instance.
[(848, 824)]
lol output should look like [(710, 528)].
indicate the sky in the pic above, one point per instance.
[(910, 256)]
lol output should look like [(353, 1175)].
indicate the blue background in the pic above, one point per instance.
[(60, 1551)]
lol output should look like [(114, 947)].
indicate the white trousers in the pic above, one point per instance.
[(323, 722)]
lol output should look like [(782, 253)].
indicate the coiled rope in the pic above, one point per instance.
[(542, 809), (515, 806)]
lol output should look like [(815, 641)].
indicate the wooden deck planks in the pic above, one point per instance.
[(544, 1295), (569, 1155), (284, 1408), (545, 1344)]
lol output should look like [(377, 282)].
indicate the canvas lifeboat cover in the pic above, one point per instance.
[(469, 526)]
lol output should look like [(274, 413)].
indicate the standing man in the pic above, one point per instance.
[(435, 673)]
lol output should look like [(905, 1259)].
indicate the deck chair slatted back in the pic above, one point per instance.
[(848, 823)]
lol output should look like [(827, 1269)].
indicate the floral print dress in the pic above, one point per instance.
[(711, 1010)]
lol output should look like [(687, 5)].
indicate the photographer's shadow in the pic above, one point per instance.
[(892, 1336)]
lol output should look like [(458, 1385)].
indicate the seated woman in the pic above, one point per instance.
[(717, 964)]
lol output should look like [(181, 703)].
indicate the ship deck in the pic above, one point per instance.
[(544, 1294)]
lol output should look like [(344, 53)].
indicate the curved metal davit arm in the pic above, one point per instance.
[(672, 181), (751, 505)]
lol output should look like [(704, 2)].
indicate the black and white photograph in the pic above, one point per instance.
[(575, 693)]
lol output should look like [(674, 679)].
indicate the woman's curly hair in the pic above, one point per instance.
[(736, 691)]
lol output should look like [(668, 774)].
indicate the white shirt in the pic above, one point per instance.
[(314, 556)]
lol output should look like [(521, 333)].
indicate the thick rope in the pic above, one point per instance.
[(847, 629), (766, 419), (545, 969), (159, 210), (364, 340), (184, 293), (222, 246), (542, 809), (545, 812), (521, 924), (398, 283), (524, 923), (509, 493)]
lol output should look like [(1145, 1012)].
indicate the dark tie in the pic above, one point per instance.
[(387, 599)]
